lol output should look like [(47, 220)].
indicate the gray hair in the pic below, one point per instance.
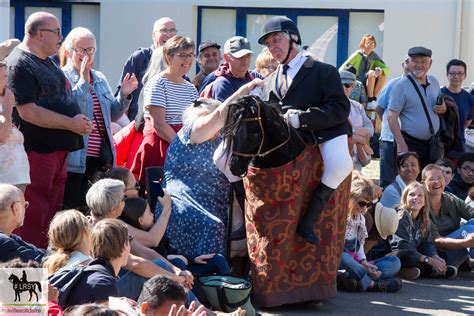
[(76, 33), (158, 23), (8, 195), (104, 195), (192, 112)]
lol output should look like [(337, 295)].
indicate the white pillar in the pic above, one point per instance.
[(4, 20)]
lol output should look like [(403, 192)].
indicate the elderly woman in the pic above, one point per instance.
[(93, 94), (362, 128), (446, 214), (165, 96), (408, 165), (106, 199), (371, 69), (412, 242), (199, 191)]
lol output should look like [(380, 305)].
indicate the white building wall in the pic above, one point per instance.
[(4, 20), (127, 25)]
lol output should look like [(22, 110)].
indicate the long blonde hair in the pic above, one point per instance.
[(66, 233), (424, 211)]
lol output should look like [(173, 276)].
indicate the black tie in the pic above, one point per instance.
[(283, 82)]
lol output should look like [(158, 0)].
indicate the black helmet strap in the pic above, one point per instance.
[(289, 48)]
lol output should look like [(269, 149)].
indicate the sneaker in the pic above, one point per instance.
[(409, 273), (388, 285), (345, 282), (451, 273), (372, 105)]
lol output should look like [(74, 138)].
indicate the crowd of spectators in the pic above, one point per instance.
[(85, 188)]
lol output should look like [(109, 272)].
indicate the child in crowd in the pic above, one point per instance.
[(373, 276), (412, 242), (137, 213)]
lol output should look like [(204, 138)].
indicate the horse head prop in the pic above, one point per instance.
[(256, 133)]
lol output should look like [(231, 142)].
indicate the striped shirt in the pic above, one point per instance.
[(95, 140), (174, 97)]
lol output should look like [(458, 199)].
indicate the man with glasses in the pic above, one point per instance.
[(463, 177), (12, 213), (456, 71), (407, 120), (49, 118), (137, 63)]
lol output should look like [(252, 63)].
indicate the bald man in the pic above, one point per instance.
[(12, 213), (137, 63), (49, 118)]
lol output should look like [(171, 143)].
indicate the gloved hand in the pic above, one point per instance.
[(292, 117)]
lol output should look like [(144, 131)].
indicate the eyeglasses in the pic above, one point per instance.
[(365, 204), (130, 238), (26, 203), (467, 170), (124, 197), (81, 51), (348, 85), (56, 31), (184, 56), (456, 74), (168, 31)]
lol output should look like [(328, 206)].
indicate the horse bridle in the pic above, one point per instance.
[(259, 153)]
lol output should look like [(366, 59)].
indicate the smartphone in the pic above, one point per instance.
[(158, 188)]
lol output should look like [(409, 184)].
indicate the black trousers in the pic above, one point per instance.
[(77, 185), (421, 147), (408, 260)]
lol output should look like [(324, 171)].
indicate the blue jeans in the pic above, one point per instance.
[(130, 284), (217, 265), (456, 257), (389, 266), (388, 171)]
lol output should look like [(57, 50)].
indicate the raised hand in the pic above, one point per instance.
[(129, 84)]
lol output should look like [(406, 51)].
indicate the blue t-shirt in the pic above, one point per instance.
[(465, 103), (382, 100), (14, 247)]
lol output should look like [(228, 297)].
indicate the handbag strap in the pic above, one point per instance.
[(422, 102)]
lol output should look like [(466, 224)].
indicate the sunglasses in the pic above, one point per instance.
[(348, 85), (365, 204), (196, 103), (130, 238)]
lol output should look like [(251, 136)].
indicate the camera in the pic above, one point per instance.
[(439, 99)]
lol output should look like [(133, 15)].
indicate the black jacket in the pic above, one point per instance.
[(458, 187), (317, 90)]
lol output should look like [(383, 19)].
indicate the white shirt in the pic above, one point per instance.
[(294, 66)]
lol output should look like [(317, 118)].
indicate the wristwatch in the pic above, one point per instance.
[(426, 260)]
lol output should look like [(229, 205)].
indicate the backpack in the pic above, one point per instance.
[(65, 280)]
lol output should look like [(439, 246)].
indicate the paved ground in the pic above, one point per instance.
[(422, 297)]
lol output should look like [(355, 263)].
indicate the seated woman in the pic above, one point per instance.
[(137, 213), (372, 276), (447, 211), (69, 240), (200, 192), (371, 69), (412, 241), (408, 166)]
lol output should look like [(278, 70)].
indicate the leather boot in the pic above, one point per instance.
[(316, 205)]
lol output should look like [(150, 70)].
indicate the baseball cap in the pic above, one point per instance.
[(207, 44), (237, 46)]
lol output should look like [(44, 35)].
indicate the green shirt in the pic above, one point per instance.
[(453, 209)]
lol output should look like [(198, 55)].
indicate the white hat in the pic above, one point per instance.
[(7, 46), (386, 220)]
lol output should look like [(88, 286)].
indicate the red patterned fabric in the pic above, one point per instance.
[(285, 268)]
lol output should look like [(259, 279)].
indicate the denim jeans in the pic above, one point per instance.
[(130, 284), (456, 257), (388, 170), (389, 266), (216, 265)]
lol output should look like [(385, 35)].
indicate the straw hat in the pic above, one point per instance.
[(7, 46), (386, 220)]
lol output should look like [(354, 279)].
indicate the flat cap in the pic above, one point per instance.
[(207, 44), (419, 51), (347, 77)]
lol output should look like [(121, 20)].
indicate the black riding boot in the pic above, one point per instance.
[(316, 205)]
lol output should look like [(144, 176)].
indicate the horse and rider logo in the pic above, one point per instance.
[(23, 285)]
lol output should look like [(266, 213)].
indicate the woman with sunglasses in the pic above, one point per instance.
[(376, 275), (412, 242), (408, 165), (362, 128), (96, 100)]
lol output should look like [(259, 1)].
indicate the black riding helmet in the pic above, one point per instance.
[(280, 24)]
